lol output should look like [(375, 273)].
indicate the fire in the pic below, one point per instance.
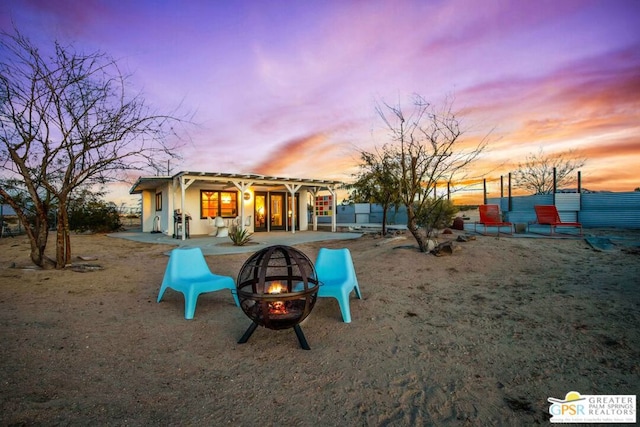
[(275, 288), (276, 307)]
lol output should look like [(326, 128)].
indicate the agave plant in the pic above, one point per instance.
[(240, 236)]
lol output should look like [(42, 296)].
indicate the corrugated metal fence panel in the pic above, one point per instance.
[(611, 210), (362, 218), (393, 217), (346, 214), (526, 203), (399, 217), (568, 202), (521, 217), (569, 216), (362, 208), (502, 202), (611, 201)]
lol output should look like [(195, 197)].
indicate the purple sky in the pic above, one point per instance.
[(288, 88)]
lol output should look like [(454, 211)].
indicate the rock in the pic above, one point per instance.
[(447, 231), (445, 248), (458, 224), (465, 238), (83, 268)]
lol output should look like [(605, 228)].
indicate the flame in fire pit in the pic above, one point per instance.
[(275, 288), (276, 307)]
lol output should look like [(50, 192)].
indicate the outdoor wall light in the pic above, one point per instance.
[(247, 195)]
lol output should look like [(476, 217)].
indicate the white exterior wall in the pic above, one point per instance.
[(303, 217), (192, 207)]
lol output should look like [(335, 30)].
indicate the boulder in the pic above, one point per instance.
[(445, 248), (458, 223)]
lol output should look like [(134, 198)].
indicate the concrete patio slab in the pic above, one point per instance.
[(223, 245)]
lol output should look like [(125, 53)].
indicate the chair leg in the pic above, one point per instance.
[(344, 308), (161, 293), (190, 300), (358, 294), (234, 293)]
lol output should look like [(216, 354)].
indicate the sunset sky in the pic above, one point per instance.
[(288, 88)]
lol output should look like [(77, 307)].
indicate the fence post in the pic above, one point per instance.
[(554, 186), (484, 191), (510, 208), (579, 195)]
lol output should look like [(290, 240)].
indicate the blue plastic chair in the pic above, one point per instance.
[(188, 272), (337, 278)]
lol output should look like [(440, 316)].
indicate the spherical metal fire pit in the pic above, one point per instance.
[(277, 288)]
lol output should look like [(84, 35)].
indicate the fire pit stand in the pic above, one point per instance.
[(298, 330), (277, 288)]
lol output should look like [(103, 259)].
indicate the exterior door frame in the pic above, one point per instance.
[(265, 221)]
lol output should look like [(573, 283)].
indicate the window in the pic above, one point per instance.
[(218, 203), (158, 201), (228, 204), (209, 204)]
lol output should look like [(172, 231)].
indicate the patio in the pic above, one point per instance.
[(223, 245)]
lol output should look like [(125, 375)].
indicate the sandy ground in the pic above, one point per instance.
[(482, 337)]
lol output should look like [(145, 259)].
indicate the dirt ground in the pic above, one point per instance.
[(482, 337)]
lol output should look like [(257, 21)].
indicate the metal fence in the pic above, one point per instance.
[(593, 210)]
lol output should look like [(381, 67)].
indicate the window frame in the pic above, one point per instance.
[(218, 208)]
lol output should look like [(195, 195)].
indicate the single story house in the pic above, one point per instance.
[(254, 202)]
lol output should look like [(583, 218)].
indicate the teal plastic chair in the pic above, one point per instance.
[(337, 277), (188, 272)]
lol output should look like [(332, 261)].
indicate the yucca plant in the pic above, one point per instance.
[(240, 237)]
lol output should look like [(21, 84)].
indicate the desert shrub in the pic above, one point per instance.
[(240, 236), (435, 214), (94, 215)]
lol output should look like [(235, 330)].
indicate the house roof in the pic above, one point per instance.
[(151, 183)]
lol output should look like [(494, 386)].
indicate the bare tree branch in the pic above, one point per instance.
[(68, 120), (535, 174)]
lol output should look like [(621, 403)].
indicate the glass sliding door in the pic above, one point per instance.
[(272, 211), (276, 211), (261, 213)]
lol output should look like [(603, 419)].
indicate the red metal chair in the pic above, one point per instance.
[(548, 215), (490, 217)]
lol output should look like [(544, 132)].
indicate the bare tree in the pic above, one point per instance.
[(67, 120), (427, 148), (535, 174)]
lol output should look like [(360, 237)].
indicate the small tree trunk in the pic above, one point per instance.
[(384, 220), (412, 225), (63, 243), (38, 236), (38, 245)]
